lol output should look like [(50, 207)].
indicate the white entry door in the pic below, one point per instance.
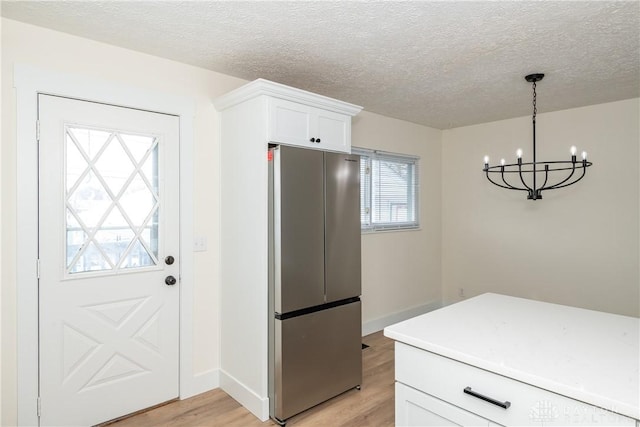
[(109, 267)]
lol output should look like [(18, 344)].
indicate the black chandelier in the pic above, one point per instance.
[(567, 168)]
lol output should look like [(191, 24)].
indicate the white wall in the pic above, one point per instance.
[(386, 294), (401, 270), (1, 227), (577, 246)]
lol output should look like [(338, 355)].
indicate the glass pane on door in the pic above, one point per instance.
[(112, 200)]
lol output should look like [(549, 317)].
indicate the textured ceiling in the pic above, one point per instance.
[(442, 64)]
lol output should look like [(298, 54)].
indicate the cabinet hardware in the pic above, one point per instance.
[(504, 404), (316, 140)]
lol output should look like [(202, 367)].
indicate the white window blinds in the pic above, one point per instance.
[(388, 190)]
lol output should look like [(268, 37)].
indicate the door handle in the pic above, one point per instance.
[(170, 280), (169, 260)]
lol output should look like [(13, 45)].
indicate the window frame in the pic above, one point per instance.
[(366, 187)]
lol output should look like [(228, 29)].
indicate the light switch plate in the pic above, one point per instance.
[(200, 244)]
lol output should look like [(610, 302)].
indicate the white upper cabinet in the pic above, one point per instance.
[(297, 117), (301, 125)]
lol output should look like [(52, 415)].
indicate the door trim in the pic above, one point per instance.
[(29, 81)]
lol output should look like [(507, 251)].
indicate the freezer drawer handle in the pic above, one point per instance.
[(504, 404)]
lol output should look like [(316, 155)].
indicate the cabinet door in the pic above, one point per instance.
[(289, 123), (292, 123), (414, 408), (333, 130)]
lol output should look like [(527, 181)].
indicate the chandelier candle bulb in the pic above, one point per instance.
[(535, 176), (573, 153)]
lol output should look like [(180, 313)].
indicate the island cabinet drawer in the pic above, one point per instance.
[(497, 398)]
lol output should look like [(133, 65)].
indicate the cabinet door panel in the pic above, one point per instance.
[(334, 131), (289, 122)]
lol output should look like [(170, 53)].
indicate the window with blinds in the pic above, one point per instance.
[(388, 190)]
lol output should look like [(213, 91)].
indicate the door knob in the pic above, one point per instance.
[(170, 280), (169, 260)]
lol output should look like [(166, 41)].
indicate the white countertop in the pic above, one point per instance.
[(586, 355)]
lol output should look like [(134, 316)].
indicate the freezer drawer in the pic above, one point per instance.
[(317, 356)]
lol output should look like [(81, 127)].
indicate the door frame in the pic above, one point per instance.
[(30, 81)]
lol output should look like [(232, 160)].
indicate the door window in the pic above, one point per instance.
[(112, 200)]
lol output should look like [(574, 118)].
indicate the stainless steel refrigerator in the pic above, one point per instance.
[(315, 327)]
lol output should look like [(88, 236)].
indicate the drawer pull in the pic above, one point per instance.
[(504, 404)]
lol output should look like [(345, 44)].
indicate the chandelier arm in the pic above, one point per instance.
[(553, 187), (546, 176), (507, 186), (560, 184), (529, 189)]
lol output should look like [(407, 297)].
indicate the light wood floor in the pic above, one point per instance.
[(372, 406)]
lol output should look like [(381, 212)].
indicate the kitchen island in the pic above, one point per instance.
[(500, 360)]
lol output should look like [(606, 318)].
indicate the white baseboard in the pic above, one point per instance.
[(379, 324), (255, 404), (258, 406), (199, 383)]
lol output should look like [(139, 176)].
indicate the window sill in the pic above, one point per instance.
[(389, 230)]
